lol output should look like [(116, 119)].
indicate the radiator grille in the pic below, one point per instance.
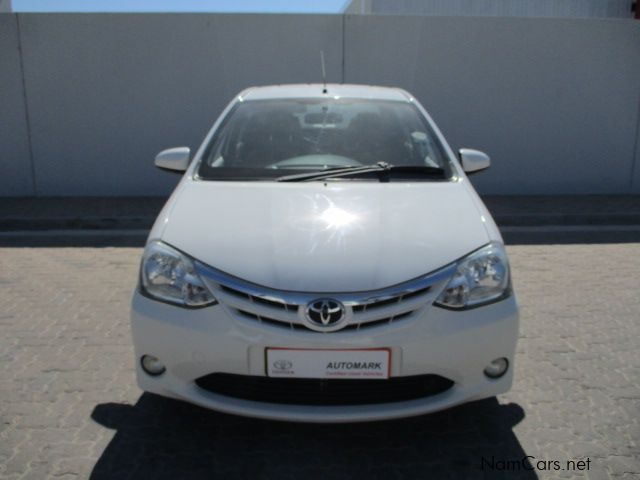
[(286, 309)]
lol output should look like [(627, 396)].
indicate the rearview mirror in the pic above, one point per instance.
[(174, 159), (473, 160)]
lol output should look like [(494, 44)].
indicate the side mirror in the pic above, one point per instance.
[(174, 159), (473, 160)]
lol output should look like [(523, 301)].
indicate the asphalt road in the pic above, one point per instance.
[(70, 407)]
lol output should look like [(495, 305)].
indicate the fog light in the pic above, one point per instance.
[(152, 365), (497, 368)]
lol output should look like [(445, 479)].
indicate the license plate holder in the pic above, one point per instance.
[(356, 363)]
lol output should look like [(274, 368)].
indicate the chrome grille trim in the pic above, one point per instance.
[(250, 301)]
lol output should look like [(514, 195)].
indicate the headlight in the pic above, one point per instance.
[(169, 275), (481, 277)]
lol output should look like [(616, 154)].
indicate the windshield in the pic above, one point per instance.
[(267, 139)]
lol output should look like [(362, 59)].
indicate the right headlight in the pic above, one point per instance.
[(169, 275), (481, 277)]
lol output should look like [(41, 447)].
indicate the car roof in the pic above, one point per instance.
[(315, 90)]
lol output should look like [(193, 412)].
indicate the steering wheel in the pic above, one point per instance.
[(317, 161)]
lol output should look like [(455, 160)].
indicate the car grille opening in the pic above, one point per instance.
[(296, 326), (376, 323), (260, 300), (270, 321), (288, 309), (390, 301), (328, 392)]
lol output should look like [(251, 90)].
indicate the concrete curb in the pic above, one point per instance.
[(9, 224), (548, 219), (76, 223), (139, 213)]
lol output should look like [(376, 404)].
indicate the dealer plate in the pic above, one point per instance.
[(327, 363)]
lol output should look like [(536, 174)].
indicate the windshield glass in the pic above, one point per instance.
[(266, 139)]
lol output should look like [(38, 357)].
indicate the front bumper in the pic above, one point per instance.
[(196, 342)]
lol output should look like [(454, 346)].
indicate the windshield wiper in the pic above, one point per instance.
[(382, 167), (332, 172)]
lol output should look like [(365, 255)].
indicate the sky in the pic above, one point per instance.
[(242, 6)]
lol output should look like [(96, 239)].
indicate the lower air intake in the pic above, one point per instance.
[(311, 391)]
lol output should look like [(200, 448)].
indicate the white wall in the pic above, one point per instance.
[(107, 91), (15, 161), (554, 102), (504, 8), (5, 6)]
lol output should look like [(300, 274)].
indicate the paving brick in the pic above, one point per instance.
[(70, 407)]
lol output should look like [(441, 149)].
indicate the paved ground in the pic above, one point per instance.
[(70, 408)]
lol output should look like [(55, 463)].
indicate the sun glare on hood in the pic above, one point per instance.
[(335, 217)]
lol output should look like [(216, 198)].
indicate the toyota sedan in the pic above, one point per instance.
[(324, 258)]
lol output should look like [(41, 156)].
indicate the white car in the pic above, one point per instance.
[(324, 258)]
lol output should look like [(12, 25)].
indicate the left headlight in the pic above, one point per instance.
[(481, 277), (169, 275)]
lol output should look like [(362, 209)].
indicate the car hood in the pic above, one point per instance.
[(324, 237)]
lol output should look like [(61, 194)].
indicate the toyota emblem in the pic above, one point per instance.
[(325, 312), (282, 364)]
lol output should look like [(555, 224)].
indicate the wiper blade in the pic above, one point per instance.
[(383, 167), (334, 172)]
